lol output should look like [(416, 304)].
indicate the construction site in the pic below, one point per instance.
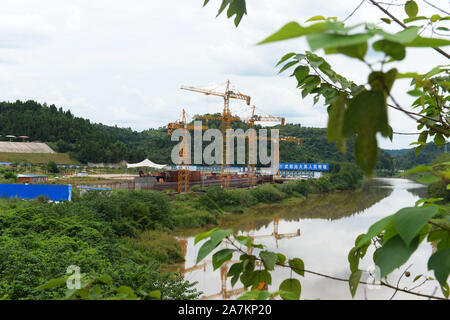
[(183, 178)]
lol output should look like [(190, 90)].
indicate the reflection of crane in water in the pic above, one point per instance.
[(277, 236), (224, 292)]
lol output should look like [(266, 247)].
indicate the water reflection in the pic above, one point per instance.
[(321, 230)]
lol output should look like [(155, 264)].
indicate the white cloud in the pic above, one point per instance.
[(124, 62)]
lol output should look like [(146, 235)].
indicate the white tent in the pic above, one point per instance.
[(146, 163)]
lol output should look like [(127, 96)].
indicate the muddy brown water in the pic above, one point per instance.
[(320, 230)]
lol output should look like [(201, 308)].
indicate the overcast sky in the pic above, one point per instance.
[(122, 62)]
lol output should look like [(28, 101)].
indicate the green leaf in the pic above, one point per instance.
[(415, 93), (252, 278), (392, 49), (353, 258), (254, 295), (411, 8), (293, 30), (326, 40), (355, 51), (269, 259), (300, 73), (285, 57), (106, 279), (442, 237), (246, 241), (216, 238), (394, 253), (281, 258), (405, 36), (95, 293), (386, 20), (220, 257), (383, 81), (440, 263), (203, 235), (428, 42), (126, 292), (293, 286), (439, 139), (443, 29), (155, 294), (336, 113), (235, 271), (435, 17), (428, 179), (374, 230), (408, 20), (419, 168), (235, 7), (287, 66), (298, 266), (354, 281), (367, 114), (366, 152), (409, 221), (316, 18), (310, 84), (53, 283)]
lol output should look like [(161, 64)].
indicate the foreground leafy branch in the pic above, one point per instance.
[(360, 110)]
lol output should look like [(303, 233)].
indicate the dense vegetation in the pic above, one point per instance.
[(123, 235), (70, 134), (127, 235), (315, 146), (87, 142), (408, 159)]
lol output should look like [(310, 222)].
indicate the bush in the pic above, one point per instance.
[(439, 190), (52, 167), (10, 175), (267, 193)]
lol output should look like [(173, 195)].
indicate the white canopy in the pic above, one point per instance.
[(146, 163)]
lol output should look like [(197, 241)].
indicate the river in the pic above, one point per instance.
[(320, 230)]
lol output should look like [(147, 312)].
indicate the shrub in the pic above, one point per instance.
[(267, 193), (439, 190)]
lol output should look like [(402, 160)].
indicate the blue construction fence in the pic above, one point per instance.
[(31, 191)]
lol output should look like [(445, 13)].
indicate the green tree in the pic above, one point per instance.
[(52, 167)]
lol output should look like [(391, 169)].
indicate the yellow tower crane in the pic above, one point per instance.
[(183, 169), (257, 118), (226, 119)]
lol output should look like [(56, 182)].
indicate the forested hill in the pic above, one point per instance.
[(88, 142), (408, 159), (315, 146), (64, 132)]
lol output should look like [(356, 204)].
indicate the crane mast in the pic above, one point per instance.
[(226, 119)]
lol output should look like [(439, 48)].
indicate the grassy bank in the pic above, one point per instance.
[(36, 158)]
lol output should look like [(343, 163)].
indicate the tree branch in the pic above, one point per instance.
[(341, 279), (445, 54)]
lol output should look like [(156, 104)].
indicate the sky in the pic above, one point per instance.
[(122, 62)]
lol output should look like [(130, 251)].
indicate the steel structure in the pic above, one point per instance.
[(226, 119)]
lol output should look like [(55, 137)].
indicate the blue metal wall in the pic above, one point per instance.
[(31, 191)]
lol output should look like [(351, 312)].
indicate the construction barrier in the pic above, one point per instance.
[(31, 191)]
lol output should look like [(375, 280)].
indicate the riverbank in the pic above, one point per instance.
[(124, 233), (328, 224)]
